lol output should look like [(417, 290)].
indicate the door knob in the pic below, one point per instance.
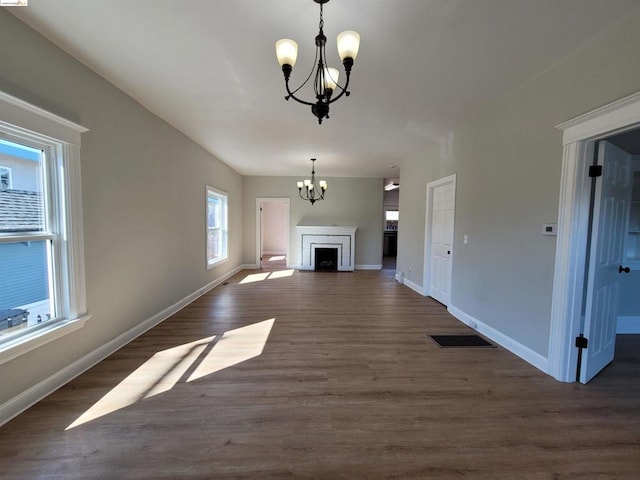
[(623, 269)]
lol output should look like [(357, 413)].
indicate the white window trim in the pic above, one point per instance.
[(225, 229), (26, 121)]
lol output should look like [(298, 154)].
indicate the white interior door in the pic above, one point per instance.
[(611, 205), (441, 239)]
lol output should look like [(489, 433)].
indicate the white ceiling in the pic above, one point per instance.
[(208, 68)]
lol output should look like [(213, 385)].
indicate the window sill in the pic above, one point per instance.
[(217, 263), (22, 345)]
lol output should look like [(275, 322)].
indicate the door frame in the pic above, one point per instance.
[(259, 201), (579, 135), (428, 233)]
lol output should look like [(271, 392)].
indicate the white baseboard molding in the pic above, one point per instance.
[(249, 266), (522, 351), (34, 394), (274, 252), (413, 286), (628, 324), (368, 267)]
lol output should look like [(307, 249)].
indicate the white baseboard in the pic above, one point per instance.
[(274, 252), (304, 268), (522, 351), (34, 394), (628, 324), (249, 266), (368, 267), (413, 286)]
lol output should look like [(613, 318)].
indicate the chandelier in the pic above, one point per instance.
[(325, 79), (308, 189)]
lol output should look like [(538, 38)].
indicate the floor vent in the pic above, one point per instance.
[(449, 341)]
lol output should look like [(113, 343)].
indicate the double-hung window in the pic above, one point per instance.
[(42, 292), (217, 233)]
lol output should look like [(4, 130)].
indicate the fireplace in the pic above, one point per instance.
[(326, 259), (342, 240)]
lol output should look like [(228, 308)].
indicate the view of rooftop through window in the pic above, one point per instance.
[(24, 251)]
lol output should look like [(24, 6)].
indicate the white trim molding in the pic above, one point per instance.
[(412, 285), (18, 113), (508, 343), (571, 247), (368, 267), (610, 119)]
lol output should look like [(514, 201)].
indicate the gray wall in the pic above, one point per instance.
[(629, 295), (349, 202), (143, 198), (507, 157)]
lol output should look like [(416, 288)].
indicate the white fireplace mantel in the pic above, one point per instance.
[(319, 236)]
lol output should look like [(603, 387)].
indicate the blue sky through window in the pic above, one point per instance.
[(9, 148)]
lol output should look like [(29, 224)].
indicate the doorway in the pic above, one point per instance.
[(612, 253), (272, 233), (438, 248), (391, 202), (572, 286)]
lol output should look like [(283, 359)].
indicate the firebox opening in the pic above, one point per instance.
[(326, 259)]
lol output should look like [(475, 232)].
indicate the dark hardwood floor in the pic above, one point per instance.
[(302, 375)]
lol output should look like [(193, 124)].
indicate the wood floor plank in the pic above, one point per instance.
[(325, 376)]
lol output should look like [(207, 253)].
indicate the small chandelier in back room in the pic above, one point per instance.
[(308, 189), (325, 79)]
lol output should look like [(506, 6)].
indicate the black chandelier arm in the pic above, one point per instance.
[(292, 94), (343, 91), (287, 69), (310, 195)]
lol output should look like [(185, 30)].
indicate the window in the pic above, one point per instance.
[(391, 217), (216, 226), (42, 292), (5, 178)]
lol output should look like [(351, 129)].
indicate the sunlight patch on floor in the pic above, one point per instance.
[(258, 277), (281, 274), (235, 346), (254, 277), (169, 367), (277, 258)]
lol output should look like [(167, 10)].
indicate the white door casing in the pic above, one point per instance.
[(439, 225), (568, 283), (611, 204)]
